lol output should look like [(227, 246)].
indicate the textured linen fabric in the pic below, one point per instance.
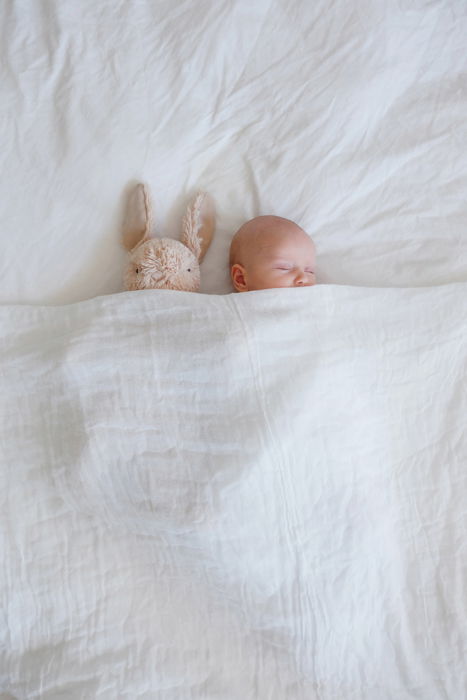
[(239, 496), (347, 116)]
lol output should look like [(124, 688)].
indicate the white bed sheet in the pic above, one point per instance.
[(348, 117)]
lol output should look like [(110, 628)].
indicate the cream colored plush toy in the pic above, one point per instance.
[(164, 263)]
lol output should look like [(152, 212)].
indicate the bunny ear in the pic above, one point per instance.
[(138, 218), (198, 225)]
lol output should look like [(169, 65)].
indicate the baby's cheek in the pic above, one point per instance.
[(270, 277)]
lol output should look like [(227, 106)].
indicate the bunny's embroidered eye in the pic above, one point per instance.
[(137, 270), (189, 269)]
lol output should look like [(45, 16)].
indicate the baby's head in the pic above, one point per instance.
[(269, 252)]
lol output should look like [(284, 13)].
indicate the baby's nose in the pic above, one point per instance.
[(300, 280)]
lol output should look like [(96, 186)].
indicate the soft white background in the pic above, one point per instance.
[(236, 497), (349, 117)]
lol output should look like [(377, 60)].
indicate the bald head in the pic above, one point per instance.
[(267, 247), (261, 231)]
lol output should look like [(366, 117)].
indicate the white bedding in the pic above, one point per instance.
[(238, 496), (269, 505), (348, 116)]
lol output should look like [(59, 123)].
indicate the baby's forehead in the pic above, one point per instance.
[(280, 236), (282, 240)]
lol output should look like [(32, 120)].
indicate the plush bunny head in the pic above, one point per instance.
[(163, 263)]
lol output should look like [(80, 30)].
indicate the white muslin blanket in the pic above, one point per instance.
[(243, 497)]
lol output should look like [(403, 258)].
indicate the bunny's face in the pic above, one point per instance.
[(162, 263)]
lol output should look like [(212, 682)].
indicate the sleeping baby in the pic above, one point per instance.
[(269, 252)]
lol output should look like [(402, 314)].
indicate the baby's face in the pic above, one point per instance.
[(282, 262), (282, 255)]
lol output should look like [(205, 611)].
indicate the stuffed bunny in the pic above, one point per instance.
[(164, 263)]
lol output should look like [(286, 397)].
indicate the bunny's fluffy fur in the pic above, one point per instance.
[(163, 263)]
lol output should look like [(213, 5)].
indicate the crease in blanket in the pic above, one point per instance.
[(283, 460)]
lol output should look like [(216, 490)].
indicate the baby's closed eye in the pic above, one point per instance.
[(307, 270)]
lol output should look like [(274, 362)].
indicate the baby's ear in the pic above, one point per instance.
[(198, 225), (138, 217), (238, 277)]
